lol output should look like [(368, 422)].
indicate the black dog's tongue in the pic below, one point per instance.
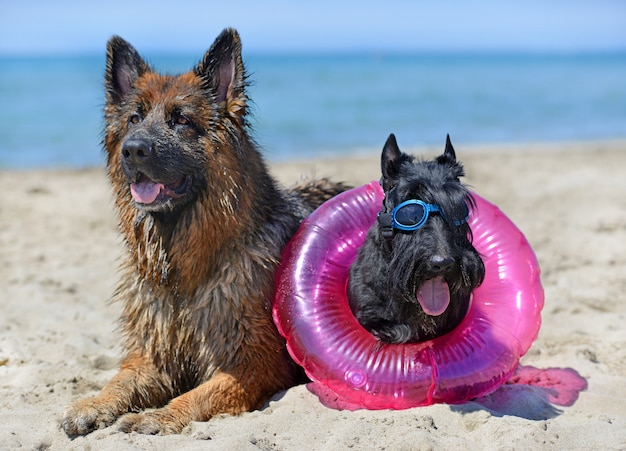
[(434, 296)]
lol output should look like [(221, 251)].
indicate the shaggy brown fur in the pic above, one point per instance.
[(204, 225)]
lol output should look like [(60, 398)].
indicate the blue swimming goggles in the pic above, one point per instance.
[(410, 215)]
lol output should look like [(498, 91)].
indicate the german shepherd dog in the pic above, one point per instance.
[(204, 225)]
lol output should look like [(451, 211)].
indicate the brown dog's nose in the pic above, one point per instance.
[(440, 264), (136, 150)]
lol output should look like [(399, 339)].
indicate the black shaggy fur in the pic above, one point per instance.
[(387, 273)]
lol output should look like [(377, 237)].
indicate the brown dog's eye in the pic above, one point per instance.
[(134, 119), (181, 119)]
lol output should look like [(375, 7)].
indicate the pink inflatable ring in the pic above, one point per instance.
[(311, 311)]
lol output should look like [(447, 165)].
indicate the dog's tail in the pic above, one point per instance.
[(315, 192)]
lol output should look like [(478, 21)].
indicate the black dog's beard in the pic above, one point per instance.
[(392, 312), (408, 270)]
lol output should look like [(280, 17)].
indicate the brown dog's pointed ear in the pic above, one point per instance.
[(123, 67), (223, 71)]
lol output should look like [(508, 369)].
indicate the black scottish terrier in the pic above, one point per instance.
[(413, 277)]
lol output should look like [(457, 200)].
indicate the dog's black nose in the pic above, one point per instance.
[(441, 264), (136, 150)]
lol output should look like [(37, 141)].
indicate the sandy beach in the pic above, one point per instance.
[(58, 339)]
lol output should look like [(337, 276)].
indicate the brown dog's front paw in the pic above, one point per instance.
[(161, 421), (87, 415)]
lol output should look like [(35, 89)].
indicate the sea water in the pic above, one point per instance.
[(312, 105)]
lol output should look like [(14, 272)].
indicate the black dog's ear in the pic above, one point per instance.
[(449, 156), (390, 160), (449, 150), (123, 67), (223, 71)]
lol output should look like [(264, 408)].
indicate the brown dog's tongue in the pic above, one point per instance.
[(434, 296), (146, 191)]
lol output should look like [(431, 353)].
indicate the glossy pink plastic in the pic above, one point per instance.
[(311, 311)]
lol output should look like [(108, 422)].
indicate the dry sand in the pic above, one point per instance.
[(58, 343)]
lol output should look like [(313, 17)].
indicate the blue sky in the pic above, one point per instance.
[(72, 26)]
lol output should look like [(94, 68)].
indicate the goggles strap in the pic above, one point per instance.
[(384, 222)]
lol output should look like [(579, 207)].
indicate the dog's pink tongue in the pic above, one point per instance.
[(146, 191), (434, 296)]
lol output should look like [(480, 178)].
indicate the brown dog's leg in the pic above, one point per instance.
[(137, 385), (223, 393)]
